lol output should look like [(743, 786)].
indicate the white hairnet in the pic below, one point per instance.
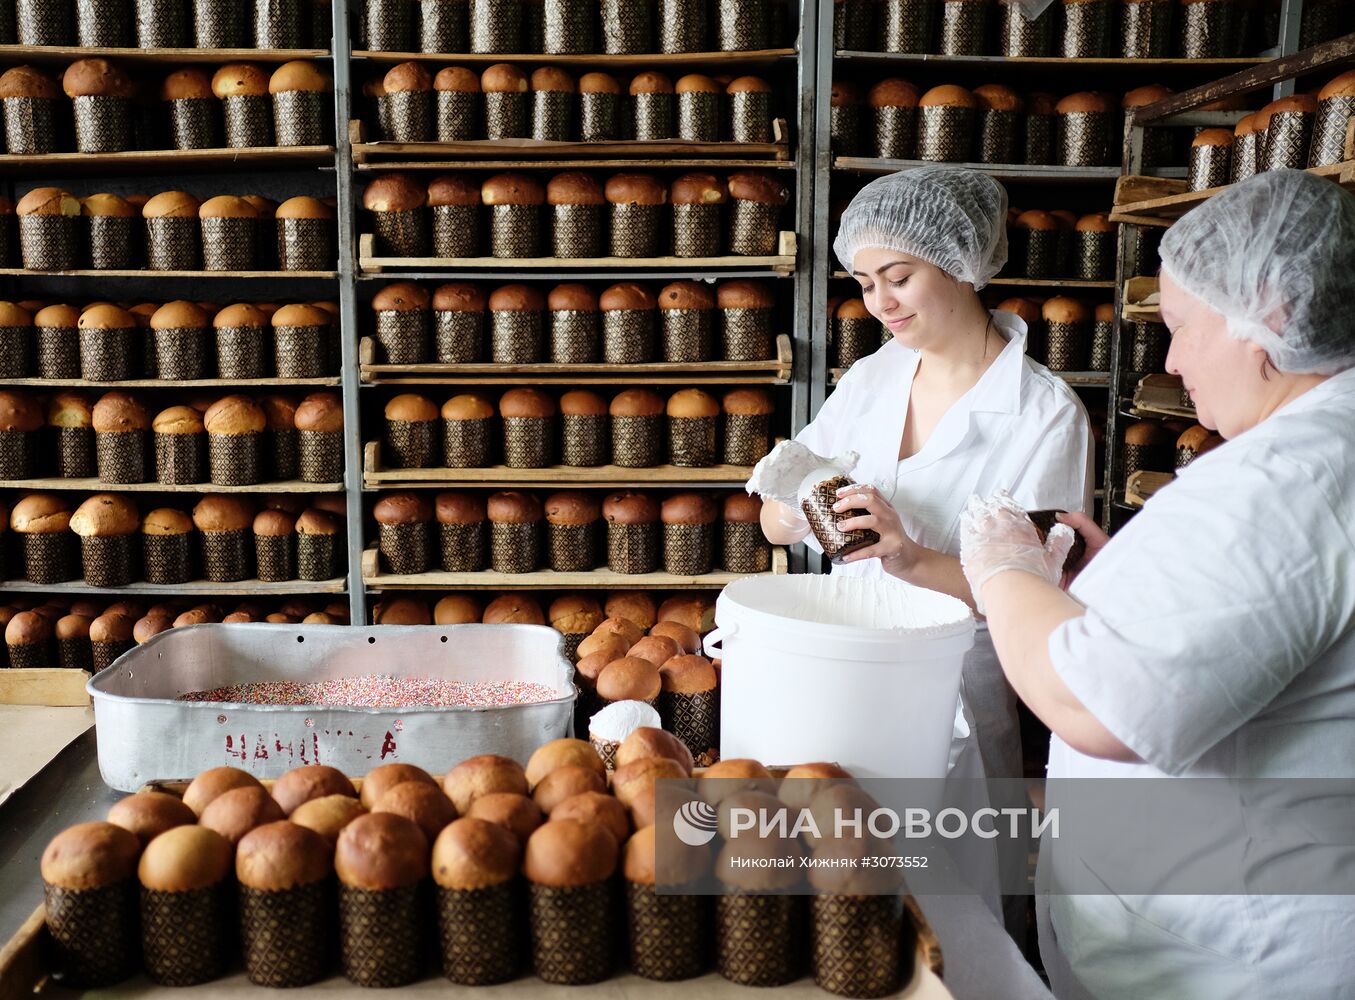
[(1276, 256), (953, 218)]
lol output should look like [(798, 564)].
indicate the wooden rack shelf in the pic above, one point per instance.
[(1141, 486), (1029, 282), (20, 272), (1005, 172), (1140, 301), (1207, 68), (782, 262), (157, 383), (237, 588), (657, 153), (376, 476), (774, 371), (599, 579), (167, 160), (1078, 380), (94, 485), (750, 57), (1155, 201), (1160, 396), (172, 57)]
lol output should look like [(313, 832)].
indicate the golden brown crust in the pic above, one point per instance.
[(581, 402), (687, 674), (48, 201), (166, 521), (572, 297), (403, 508), (570, 853), (561, 753), (71, 627), (282, 855), (1341, 86), (574, 188), (473, 853), (626, 296), (1088, 102), (233, 415), (381, 851), (311, 781), (526, 403), (27, 628), (748, 402), (402, 611), (1297, 103), (95, 78), (320, 411), (394, 193), (185, 858), (112, 627), (516, 298), (599, 83), (409, 407), (503, 78), (314, 521), (233, 814), (453, 189), (566, 781), (1213, 137), (630, 508), (457, 79), (633, 608), (171, 205), (688, 642), (227, 206), (459, 508), (692, 403), (90, 855), (223, 512), (748, 85), (59, 316), (327, 816), (893, 93), (995, 97), (300, 75), (1099, 222), (576, 614), (407, 77), (105, 514), (1141, 97), (640, 773), (149, 814), (739, 508), (699, 189), (637, 403), (742, 294), (629, 679), (382, 779), (657, 649), (764, 188), (695, 83), (180, 315), (552, 79), (686, 295), (514, 609), (280, 412), (1062, 309), (107, 206), (458, 296), (240, 80), (948, 96), (516, 812), (1146, 432), (596, 807), (512, 189), (483, 775), (845, 94), (650, 82), (650, 742), (25, 81), (635, 189), (457, 609), (696, 611), (422, 803), (513, 507), (302, 207), (572, 507), (187, 85)]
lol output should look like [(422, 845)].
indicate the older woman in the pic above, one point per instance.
[(1215, 635), (949, 407)]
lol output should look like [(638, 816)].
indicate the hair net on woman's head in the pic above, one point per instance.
[(953, 218), (1276, 256)]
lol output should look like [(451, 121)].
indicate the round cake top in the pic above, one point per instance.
[(692, 403), (574, 188), (40, 513), (453, 189), (503, 78), (107, 206), (223, 512), (48, 201), (582, 403), (300, 314), (165, 521), (512, 810), (572, 297), (560, 753), (458, 296), (514, 609), (96, 78), (274, 524), (570, 852), (26, 81), (240, 80), (104, 515), (473, 853), (629, 679), (637, 403), (686, 638), (845, 93), (552, 79), (421, 802), (696, 83), (282, 855), (408, 78), (19, 411), (381, 851), (699, 189), (1088, 102), (627, 507), (89, 856), (564, 782), (682, 866), (171, 205), (1341, 86), (748, 402), (59, 316), (1062, 309), (300, 75), (626, 296), (599, 83), (483, 775), (467, 406), (512, 189), (457, 609), (689, 508), (596, 807), (233, 415), (757, 186), (650, 82), (410, 407), (649, 741), (403, 508), (995, 97), (303, 207), (234, 813), (185, 858), (893, 93), (383, 778), (748, 85), (635, 189), (687, 295), (742, 294), (457, 79), (572, 507), (180, 315), (320, 412), (402, 611), (526, 403), (27, 628), (948, 96), (1141, 97), (516, 298), (1099, 222), (149, 814), (227, 206), (514, 507), (394, 192)]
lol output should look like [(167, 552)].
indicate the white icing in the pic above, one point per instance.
[(782, 471), (621, 718)]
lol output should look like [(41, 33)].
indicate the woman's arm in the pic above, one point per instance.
[(1023, 612)]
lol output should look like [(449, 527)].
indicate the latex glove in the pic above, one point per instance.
[(996, 535)]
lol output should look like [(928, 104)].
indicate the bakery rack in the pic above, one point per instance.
[(295, 170), (1029, 185), (1155, 203)]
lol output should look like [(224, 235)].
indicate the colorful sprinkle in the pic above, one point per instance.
[(381, 691)]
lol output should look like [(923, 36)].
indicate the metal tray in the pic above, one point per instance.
[(145, 734)]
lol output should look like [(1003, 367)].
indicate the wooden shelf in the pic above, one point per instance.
[(599, 579), (20, 272), (775, 371), (1207, 68), (1005, 172), (167, 160), (65, 55), (1140, 302), (376, 476), (1155, 201), (240, 588), (1029, 282), (94, 485), (483, 153), (1078, 380), (1141, 486), (751, 57), (782, 262), (157, 383)]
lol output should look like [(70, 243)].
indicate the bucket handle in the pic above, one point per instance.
[(713, 643)]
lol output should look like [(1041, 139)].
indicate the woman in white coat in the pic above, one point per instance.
[(949, 407), (1214, 636)]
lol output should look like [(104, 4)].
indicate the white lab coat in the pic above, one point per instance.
[(1219, 640), (1019, 428)]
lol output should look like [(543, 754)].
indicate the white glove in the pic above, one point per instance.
[(996, 535)]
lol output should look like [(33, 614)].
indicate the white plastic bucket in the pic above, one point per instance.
[(863, 672)]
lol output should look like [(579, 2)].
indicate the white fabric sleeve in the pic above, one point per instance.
[(1206, 606), (1057, 473)]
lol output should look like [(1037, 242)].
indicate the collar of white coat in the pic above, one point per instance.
[(998, 390)]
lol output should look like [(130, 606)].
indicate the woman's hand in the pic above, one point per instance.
[(898, 553), (1091, 533)]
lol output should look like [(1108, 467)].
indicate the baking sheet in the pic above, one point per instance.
[(30, 738)]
